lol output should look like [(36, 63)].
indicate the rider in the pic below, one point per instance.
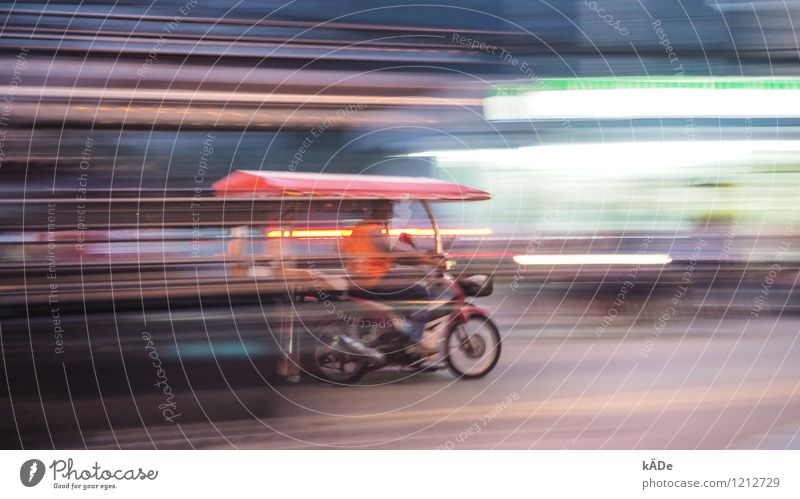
[(371, 257)]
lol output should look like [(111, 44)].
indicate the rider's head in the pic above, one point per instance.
[(381, 211)]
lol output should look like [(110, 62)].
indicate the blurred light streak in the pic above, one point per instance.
[(486, 231), (593, 259), (413, 231), (217, 349), (225, 97), (620, 158), (625, 98), (310, 233)]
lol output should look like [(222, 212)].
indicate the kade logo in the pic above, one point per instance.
[(31, 472)]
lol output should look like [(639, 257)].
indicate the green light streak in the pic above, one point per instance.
[(636, 82)]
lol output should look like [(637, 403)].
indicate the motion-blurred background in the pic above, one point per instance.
[(659, 129)]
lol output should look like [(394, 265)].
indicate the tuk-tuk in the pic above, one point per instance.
[(316, 214)]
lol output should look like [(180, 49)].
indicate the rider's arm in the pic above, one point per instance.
[(406, 253)]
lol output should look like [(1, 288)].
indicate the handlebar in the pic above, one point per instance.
[(442, 264)]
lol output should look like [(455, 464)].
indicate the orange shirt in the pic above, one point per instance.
[(365, 260)]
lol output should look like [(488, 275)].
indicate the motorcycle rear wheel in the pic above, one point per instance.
[(330, 363)]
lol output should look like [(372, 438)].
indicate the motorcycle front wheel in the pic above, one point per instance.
[(472, 349)]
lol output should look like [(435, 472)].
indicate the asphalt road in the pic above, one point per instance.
[(710, 384)]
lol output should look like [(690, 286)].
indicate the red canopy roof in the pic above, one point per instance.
[(267, 184)]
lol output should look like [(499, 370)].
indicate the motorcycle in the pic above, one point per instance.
[(459, 335)]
